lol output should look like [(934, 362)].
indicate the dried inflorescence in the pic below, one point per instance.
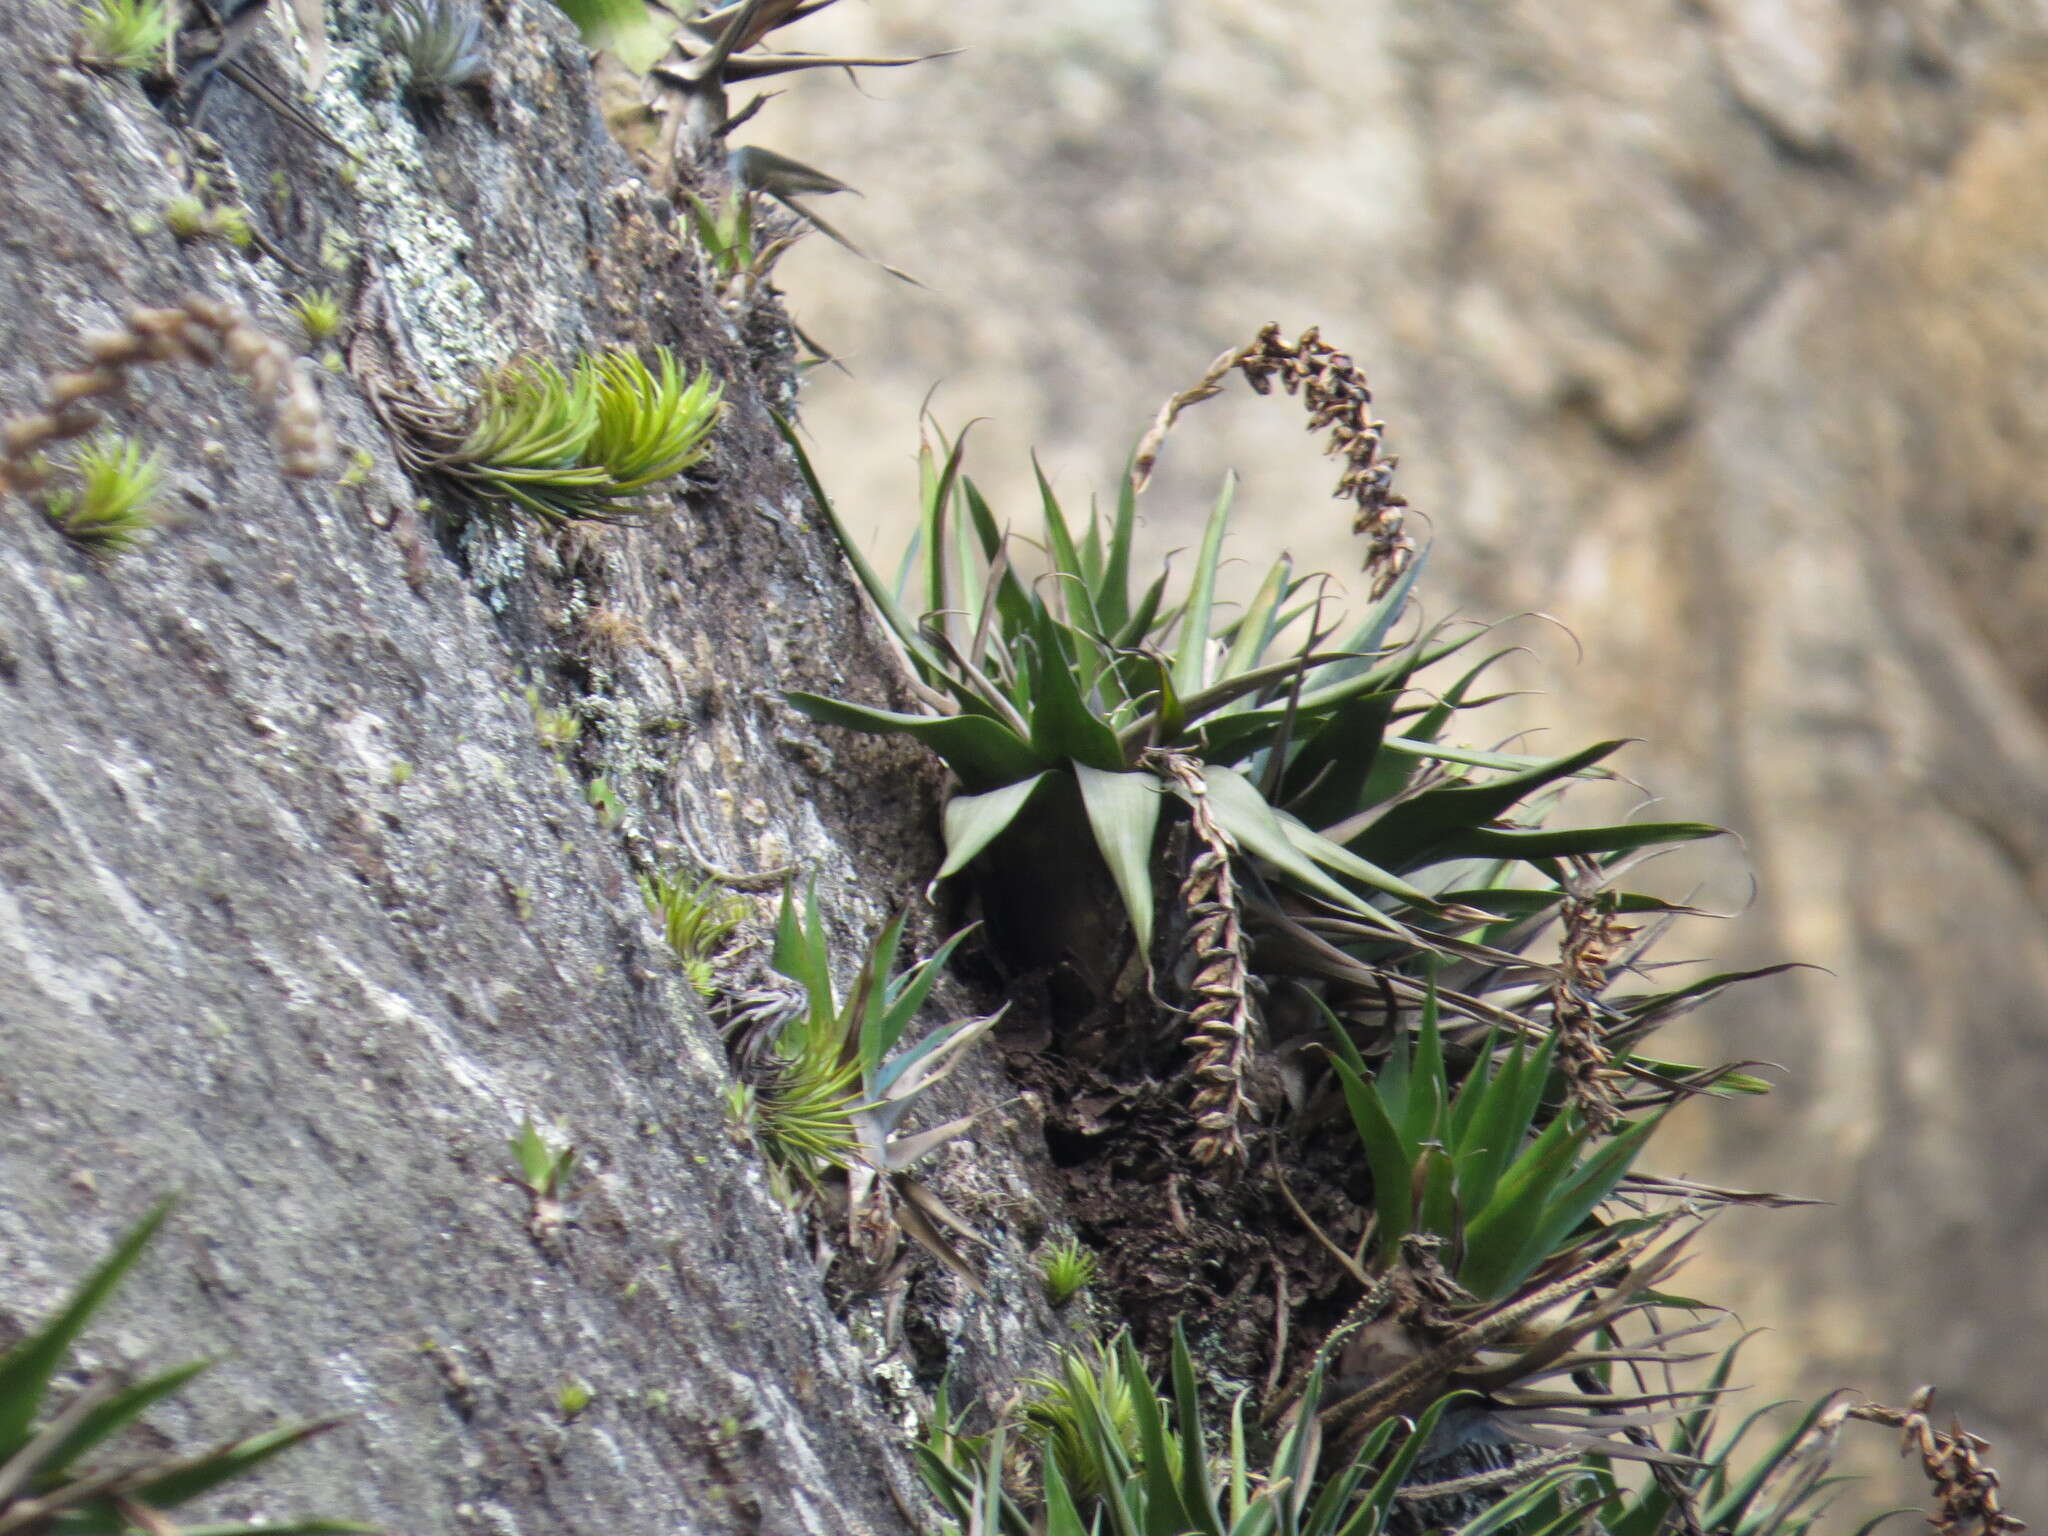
[(1965, 1490), (1222, 1025), (1591, 933), (1339, 402), (201, 330)]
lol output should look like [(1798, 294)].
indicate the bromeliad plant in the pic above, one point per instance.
[(579, 446), (1117, 1457), (546, 1172), (1066, 1269), (112, 508), (125, 34), (1473, 1165), (1331, 817), (715, 47), (833, 1082), (698, 918), (56, 1477)]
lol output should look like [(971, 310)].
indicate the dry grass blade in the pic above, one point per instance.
[(1339, 403), (1222, 1025), (1633, 1267), (1965, 1490)]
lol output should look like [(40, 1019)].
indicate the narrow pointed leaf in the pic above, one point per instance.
[(1191, 660), (1123, 813), (983, 753), (1501, 843), (26, 1370), (1242, 812), (1410, 830), (972, 822)]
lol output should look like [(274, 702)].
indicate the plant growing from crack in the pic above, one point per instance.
[(319, 313), (714, 49), (545, 1172), (125, 34), (580, 446), (557, 729), (1066, 1269), (113, 506), (698, 918), (1461, 1012), (1330, 818), (831, 1082), (441, 43), (1117, 1457), (189, 216)]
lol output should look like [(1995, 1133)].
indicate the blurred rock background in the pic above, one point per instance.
[(1718, 330)]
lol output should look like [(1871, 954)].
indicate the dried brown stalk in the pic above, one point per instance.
[(1222, 1025), (1339, 401), (1965, 1490), (200, 330), (1592, 935)]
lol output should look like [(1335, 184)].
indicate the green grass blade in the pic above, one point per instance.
[(1391, 1162), (1112, 592), (1197, 1494), (226, 1464), (1077, 590), (1256, 629), (1428, 1093), (981, 752), (1592, 1183), (1498, 1238), (26, 1370), (1191, 656), (117, 1412), (900, 625), (1499, 1124)]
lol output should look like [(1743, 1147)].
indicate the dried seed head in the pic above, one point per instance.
[(200, 329), (1592, 933), (63, 388), (1339, 403), (1222, 1027), (1966, 1499)]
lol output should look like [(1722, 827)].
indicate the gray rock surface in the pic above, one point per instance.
[(299, 919)]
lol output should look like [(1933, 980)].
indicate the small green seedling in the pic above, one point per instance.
[(125, 34), (360, 463), (189, 217), (114, 503), (1067, 1269), (572, 1396), (602, 798), (544, 1173), (319, 314), (558, 729)]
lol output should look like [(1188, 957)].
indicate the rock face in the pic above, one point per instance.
[(1701, 326), (298, 916), (1714, 329)]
